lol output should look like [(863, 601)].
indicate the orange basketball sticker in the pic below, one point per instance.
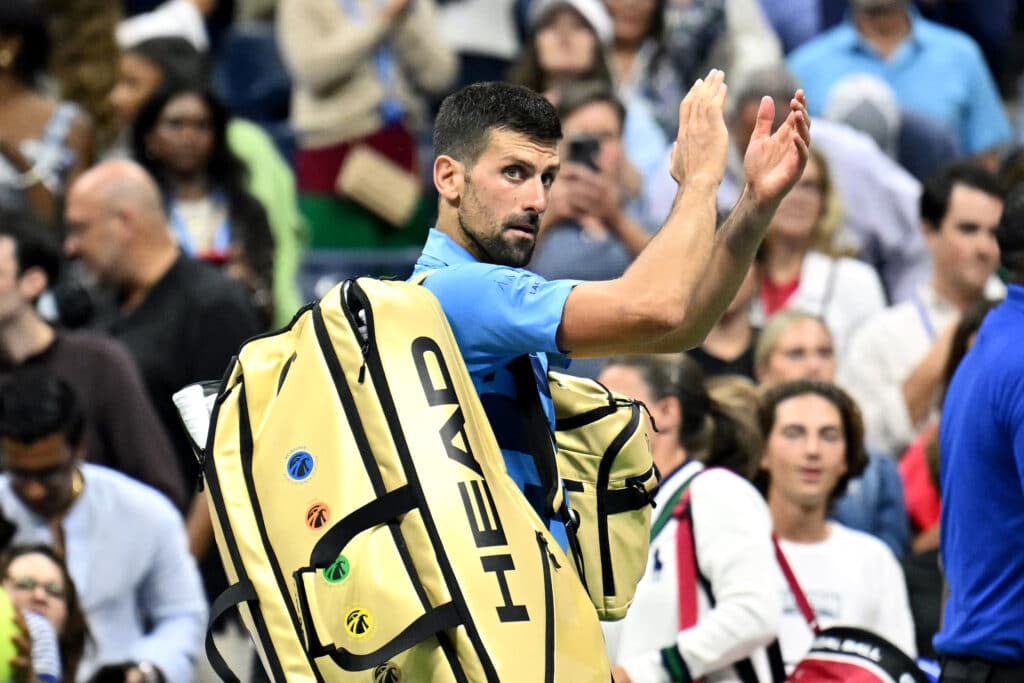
[(317, 516)]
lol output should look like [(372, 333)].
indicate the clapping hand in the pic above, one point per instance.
[(774, 163), (702, 144)]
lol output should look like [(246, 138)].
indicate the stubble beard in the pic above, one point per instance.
[(497, 245)]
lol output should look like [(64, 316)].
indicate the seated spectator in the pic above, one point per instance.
[(814, 446), (729, 347), (879, 198), (357, 69), (37, 580), (867, 103), (738, 604), (794, 346), (800, 268), (122, 431), (146, 67), (662, 46), (44, 143), (125, 545), (934, 70), (895, 361), (568, 45), (180, 137)]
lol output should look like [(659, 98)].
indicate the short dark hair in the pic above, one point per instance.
[(1010, 233), (179, 61), (467, 117), (849, 415), (581, 94), (35, 404), (25, 20), (938, 188), (34, 247)]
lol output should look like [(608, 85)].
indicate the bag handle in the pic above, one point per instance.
[(794, 587), (234, 595), (391, 506)]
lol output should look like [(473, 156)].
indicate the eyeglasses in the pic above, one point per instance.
[(28, 584)]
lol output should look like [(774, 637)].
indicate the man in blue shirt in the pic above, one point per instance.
[(496, 148), (935, 71), (982, 447)]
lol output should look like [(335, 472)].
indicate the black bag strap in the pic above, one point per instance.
[(538, 430), (434, 621), (391, 505), (234, 595)]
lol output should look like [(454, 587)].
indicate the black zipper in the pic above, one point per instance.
[(547, 559)]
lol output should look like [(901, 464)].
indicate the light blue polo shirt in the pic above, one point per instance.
[(497, 314), (937, 71)]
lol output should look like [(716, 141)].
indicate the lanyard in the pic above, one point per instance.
[(926, 321), (391, 109)]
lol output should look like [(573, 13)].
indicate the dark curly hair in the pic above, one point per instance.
[(849, 415), (23, 19)]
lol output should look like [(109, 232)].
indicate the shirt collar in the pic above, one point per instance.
[(441, 250), (847, 35)]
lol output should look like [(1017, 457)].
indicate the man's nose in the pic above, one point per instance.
[(537, 199)]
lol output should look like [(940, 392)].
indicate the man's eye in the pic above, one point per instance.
[(514, 172), (547, 179)]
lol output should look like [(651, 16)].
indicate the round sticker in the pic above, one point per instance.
[(338, 571), (388, 672), (358, 622), (300, 465), (318, 515)]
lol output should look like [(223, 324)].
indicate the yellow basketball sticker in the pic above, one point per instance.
[(358, 622)]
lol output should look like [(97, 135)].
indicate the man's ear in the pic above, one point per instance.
[(449, 178), (32, 283)]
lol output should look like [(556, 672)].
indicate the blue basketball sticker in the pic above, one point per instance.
[(300, 465)]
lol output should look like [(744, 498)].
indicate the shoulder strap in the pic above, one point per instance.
[(688, 574), (794, 587), (538, 430), (669, 508)]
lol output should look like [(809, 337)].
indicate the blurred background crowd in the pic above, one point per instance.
[(286, 143)]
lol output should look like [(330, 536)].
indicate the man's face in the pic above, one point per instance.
[(805, 453), (877, 6), (964, 248), (12, 301), (504, 196), (601, 121), (41, 473), (95, 234)]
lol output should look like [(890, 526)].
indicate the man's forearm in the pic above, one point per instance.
[(732, 253)]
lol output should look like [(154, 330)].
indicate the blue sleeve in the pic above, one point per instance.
[(986, 125), (497, 313)]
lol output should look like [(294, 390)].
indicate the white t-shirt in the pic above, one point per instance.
[(850, 579)]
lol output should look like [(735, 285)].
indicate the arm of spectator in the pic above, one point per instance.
[(130, 430), (199, 526), (323, 50), (597, 198), (732, 533), (921, 388), (175, 18), (426, 58), (773, 163), (863, 372), (171, 598)]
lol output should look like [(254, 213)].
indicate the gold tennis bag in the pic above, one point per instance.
[(364, 515)]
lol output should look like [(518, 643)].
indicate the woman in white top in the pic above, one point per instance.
[(799, 268), (814, 445), (732, 535)]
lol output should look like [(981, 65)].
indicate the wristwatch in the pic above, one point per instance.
[(150, 674)]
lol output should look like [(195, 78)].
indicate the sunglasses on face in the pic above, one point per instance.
[(28, 584)]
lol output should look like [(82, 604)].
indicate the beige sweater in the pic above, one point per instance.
[(337, 92)]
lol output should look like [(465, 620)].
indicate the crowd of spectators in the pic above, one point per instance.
[(177, 176)]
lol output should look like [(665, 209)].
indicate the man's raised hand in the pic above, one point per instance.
[(774, 163), (702, 144)]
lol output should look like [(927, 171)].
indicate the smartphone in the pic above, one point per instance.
[(583, 149)]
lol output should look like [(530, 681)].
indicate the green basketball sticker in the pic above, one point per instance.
[(338, 571)]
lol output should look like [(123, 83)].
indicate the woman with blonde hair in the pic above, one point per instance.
[(801, 268)]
